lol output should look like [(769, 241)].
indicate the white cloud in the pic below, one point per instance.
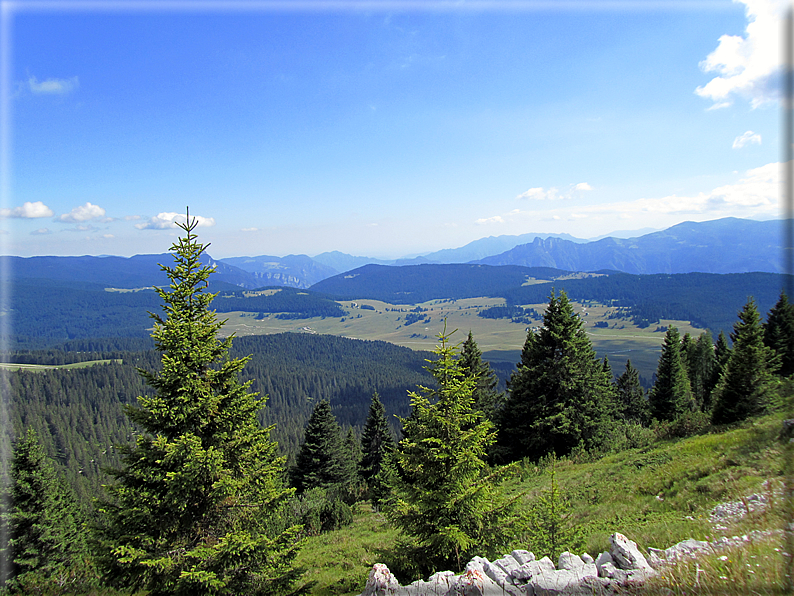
[(167, 220), (583, 186), (538, 194), (132, 217), (249, 229), (83, 213), (756, 194), (747, 66), (490, 220), (52, 86), (41, 232), (28, 211), (748, 137)]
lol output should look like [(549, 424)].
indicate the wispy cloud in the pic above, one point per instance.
[(83, 213), (167, 220), (52, 86), (747, 66), (41, 232), (28, 210), (748, 137), (496, 219), (553, 194), (757, 193)]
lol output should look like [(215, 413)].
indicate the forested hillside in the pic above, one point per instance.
[(78, 412), (48, 312)]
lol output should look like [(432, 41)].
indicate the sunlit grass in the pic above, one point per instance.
[(657, 496)]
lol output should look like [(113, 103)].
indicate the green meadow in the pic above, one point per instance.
[(499, 339)]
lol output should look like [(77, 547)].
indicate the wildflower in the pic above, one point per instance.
[(724, 558)]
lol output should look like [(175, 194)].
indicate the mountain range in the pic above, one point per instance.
[(728, 245)]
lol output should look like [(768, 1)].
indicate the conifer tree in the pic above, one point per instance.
[(47, 545), (560, 397), (196, 507), (486, 397), (451, 507), (701, 362), (632, 404), (671, 395), (549, 522), (779, 334), (323, 461), (748, 385), (376, 440)]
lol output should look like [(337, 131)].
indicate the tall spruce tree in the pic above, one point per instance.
[(323, 460), (376, 441), (486, 397), (779, 334), (701, 362), (196, 507), (631, 402), (47, 538), (445, 500), (748, 385), (560, 396), (671, 394)]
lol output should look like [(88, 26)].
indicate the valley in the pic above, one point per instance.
[(500, 340)]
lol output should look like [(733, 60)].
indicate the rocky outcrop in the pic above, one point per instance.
[(520, 574)]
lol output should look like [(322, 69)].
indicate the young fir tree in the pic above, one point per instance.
[(671, 395), (549, 522), (445, 500), (560, 397), (748, 384), (632, 404), (323, 461), (47, 542), (486, 398), (779, 334), (196, 507), (376, 441)]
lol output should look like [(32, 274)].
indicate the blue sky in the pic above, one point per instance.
[(382, 129)]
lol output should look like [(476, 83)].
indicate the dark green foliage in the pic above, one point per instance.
[(376, 441), (447, 503), (196, 507), (560, 397), (487, 399), (779, 334), (632, 404), (701, 363), (748, 385), (323, 460), (47, 542), (671, 395)]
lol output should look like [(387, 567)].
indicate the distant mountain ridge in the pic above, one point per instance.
[(727, 245)]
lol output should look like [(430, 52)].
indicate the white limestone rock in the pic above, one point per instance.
[(625, 553)]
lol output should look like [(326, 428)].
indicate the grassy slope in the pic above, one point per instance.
[(617, 492)]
